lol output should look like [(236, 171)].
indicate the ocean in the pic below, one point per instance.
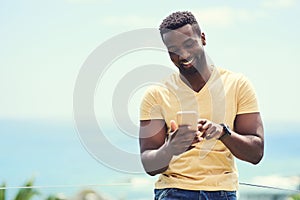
[(53, 154)]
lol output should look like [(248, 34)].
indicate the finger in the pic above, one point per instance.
[(201, 131), (200, 138), (209, 136), (174, 129), (202, 121), (199, 134), (190, 147), (207, 125), (196, 139), (211, 133), (173, 125), (200, 128)]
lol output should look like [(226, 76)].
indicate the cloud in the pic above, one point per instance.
[(225, 16), (278, 3)]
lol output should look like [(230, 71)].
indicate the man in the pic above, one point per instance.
[(198, 164)]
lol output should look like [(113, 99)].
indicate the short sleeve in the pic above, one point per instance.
[(150, 107), (246, 97)]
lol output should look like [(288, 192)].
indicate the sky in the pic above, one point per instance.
[(44, 45)]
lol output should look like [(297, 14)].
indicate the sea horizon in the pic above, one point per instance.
[(53, 154)]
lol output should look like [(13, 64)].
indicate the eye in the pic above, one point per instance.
[(189, 44), (174, 50)]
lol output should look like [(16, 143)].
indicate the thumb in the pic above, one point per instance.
[(173, 125)]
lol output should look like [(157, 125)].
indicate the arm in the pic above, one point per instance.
[(154, 154), (246, 141), (157, 149)]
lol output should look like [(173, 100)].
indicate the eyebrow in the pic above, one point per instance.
[(187, 40), (173, 46)]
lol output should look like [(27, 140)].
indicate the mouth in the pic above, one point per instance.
[(187, 62)]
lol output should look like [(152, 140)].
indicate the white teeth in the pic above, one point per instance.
[(188, 62)]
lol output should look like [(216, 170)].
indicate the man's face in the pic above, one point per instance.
[(185, 48)]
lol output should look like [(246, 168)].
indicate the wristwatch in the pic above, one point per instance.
[(226, 131)]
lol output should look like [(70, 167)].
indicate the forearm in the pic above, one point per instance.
[(156, 161), (249, 148)]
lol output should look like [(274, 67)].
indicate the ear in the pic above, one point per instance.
[(203, 39)]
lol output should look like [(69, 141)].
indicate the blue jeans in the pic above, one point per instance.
[(177, 194)]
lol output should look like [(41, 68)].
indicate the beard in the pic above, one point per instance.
[(190, 71)]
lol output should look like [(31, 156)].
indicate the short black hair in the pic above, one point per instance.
[(177, 20)]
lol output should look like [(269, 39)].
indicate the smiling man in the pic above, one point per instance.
[(198, 164)]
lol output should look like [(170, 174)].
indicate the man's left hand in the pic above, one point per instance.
[(210, 129)]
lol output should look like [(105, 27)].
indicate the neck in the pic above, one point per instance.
[(197, 80)]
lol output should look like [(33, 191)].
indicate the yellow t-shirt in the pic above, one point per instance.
[(210, 165)]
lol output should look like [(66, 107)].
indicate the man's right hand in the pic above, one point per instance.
[(157, 150), (181, 138)]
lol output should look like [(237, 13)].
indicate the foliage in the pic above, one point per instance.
[(25, 193), (2, 192), (53, 197), (295, 197)]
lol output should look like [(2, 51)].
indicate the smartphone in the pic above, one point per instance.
[(188, 118)]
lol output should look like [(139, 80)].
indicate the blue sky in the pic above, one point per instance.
[(45, 43)]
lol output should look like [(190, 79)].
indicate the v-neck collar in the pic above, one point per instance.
[(204, 88)]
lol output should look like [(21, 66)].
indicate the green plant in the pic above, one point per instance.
[(25, 193), (295, 197), (2, 191), (53, 197)]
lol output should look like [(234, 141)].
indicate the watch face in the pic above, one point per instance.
[(226, 130)]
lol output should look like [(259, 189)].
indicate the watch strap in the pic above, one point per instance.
[(226, 131)]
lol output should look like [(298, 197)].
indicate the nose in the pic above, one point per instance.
[(184, 54)]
